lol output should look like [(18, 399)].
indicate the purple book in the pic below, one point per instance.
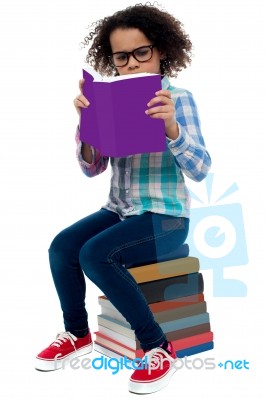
[(115, 123)]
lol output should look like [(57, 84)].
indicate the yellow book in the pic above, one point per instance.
[(165, 269)]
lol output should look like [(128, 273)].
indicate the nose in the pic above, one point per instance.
[(132, 62)]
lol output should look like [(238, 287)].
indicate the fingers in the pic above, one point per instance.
[(160, 112), (165, 93), (80, 100), (162, 107), (163, 96), (81, 83), (165, 109)]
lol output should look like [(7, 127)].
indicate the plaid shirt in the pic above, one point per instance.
[(155, 181)]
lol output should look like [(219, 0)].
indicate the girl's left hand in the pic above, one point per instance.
[(165, 111)]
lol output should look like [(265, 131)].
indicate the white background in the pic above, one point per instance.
[(43, 190)]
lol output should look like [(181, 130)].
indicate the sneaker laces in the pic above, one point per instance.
[(63, 337), (156, 356)]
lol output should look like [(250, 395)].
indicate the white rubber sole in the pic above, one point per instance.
[(61, 362), (151, 387)]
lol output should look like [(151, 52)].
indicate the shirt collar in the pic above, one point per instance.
[(165, 83)]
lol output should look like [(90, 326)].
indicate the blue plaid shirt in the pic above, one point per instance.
[(155, 181)]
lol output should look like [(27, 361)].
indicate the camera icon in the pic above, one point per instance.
[(217, 238)]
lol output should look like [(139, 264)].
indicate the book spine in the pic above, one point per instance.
[(166, 269), (172, 288), (160, 305)]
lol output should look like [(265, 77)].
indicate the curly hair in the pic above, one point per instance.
[(158, 26)]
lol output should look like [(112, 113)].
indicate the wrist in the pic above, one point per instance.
[(172, 131)]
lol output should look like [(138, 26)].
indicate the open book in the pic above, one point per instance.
[(115, 123)]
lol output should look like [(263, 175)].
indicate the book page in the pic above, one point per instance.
[(99, 78)]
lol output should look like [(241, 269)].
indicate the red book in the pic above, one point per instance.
[(130, 353)]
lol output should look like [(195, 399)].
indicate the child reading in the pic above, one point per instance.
[(146, 216)]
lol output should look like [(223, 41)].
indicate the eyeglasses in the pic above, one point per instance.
[(141, 54)]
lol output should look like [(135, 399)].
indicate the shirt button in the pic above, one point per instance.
[(126, 172), (127, 191)]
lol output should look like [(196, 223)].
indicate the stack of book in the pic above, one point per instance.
[(174, 291)]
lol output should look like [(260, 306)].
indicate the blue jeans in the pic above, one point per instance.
[(102, 247)]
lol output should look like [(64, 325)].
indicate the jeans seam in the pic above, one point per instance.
[(135, 285)]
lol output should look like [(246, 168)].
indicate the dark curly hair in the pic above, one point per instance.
[(158, 26)]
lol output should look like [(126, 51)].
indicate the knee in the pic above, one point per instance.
[(92, 260), (60, 249), (57, 244)]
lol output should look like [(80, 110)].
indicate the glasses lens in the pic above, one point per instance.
[(143, 54), (120, 59)]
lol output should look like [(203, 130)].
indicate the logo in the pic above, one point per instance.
[(150, 363), (217, 237)]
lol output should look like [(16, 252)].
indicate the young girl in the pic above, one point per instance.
[(146, 216)]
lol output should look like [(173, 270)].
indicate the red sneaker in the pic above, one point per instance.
[(65, 347), (155, 371)]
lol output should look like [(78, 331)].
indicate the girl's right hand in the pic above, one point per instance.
[(80, 101)]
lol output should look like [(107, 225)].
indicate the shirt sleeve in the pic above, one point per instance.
[(99, 162), (189, 148)]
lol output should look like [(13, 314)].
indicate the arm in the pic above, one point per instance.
[(189, 147), (182, 128), (97, 164)]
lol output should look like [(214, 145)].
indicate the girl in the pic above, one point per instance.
[(146, 216)]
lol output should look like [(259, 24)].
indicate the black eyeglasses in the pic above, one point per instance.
[(141, 54)]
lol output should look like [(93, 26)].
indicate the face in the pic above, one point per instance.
[(129, 39)]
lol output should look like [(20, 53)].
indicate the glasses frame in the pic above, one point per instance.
[(129, 53)]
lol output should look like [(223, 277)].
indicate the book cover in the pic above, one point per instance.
[(192, 341), (135, 344), (190, 351), (180, 312), (186, 332), (115, 122), (109, 353), (119, 337), (178, 344), (169, 326), (186, 322), (160, 305), (162, 316), (103, 350), (165, 269), (115, 325), (172, 288), (179, 353), (118, 347)]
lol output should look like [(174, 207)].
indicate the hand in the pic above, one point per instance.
[(80, 101), (165, 111)]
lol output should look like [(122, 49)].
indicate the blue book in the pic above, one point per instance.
[(169, 326), (186, 322), (194, 350)]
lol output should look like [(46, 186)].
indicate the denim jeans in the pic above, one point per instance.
[(102, 247)]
